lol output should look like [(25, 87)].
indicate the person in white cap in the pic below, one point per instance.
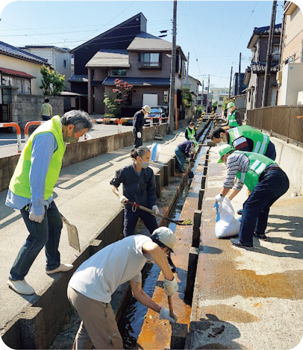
[(92, 285), (138, 124)]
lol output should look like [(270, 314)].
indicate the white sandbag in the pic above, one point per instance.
[(155, 152), (226, 223)]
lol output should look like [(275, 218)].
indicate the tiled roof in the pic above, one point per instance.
[(109, 58), (16, 73), (145, 41), (262, 31), (139, 81), (77, 78), (9, 50)]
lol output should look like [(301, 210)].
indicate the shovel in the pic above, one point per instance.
[(177, 222), (72, 232)]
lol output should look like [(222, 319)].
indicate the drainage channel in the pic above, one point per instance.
[(131, 322), (130, 313)]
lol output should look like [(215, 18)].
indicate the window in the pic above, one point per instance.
[(149, 60), (64, 63), (275, 53), (119, 71), (220, 98)]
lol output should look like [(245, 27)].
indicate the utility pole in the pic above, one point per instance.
[(230, 79), (207, 93), (187, 70), (269, 55), (239, 85), (173, 72)]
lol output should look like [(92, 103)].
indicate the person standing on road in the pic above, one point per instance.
[(46, 110), (234, 119), (182, 152), (92, 285), (31, 189), (266, 181), (190, 132), (138, 124), (245, 138), (139, 186)]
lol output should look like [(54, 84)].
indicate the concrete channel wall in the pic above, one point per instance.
[(36, 326)]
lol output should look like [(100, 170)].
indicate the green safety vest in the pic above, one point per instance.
[(190, 133), (260, 140), (20, 184), (232, 122), (257, 164)]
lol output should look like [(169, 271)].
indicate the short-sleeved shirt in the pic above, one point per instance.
[(46, 109), (99, 276), (137, 188)]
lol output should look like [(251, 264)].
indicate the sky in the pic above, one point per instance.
[(212, 32)]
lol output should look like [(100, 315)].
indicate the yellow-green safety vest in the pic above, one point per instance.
[(257, 164), (20, 184), (232, 122)]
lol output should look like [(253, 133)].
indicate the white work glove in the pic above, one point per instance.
[(33, 217), (170, 287), (155, 209), (219, 197), (139, 135), (123, 199), (164, 315)]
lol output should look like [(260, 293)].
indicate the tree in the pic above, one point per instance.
[(120, 95), (215, 106), (225, 103), (187, 97), (52, 83)]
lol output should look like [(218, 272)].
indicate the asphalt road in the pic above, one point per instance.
[(8, 141)]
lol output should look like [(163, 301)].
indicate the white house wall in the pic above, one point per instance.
[(26, 67)]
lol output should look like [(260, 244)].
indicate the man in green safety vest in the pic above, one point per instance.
[(245, 138), (31, 190), (234, 119), (266, 181), (190, 133)]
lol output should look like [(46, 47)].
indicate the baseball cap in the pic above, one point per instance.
[(146, 108), (165, 237)]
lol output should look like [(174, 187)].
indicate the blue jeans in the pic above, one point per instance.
[(131, 218), (47, 234), (180, 158), (273, 184)]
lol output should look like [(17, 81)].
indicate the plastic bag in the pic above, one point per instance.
[(226, 223), (155, 152)]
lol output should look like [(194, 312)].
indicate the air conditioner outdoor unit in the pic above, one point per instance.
[(300, 98)]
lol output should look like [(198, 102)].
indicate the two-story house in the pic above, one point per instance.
[(59, 58), (19, 77), (255, 73), (129, 53), (290, 75)]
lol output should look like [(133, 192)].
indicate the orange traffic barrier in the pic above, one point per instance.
[(26, 129), (18, 130)]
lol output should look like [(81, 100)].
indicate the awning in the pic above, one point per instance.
[(16, 73), (139, 81)]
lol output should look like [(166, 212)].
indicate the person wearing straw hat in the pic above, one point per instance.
[(138, 124), (266, 181), (91, 287)]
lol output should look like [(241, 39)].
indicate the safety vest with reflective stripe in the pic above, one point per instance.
[(260, 140), (232, 122), (20, 183), (257, 164), (191, 133)]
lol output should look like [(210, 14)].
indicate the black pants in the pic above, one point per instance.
[(137, 141)]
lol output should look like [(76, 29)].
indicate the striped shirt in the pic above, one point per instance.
[(235, 162)]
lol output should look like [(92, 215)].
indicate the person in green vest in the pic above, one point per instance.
[(266, 181), (190, 133), (234, 119), (245, 138), (31, 189)]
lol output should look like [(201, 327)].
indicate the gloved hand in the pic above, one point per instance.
[(170, 287), (123, 199), (219, 197), (139, 135), (33, 217), (155, 209), (164, 315)]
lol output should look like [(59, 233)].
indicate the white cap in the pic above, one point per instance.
[(146, 108), (164, 235)]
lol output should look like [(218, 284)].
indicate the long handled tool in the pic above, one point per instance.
[(177, 222), (170, 305), (72, 232)]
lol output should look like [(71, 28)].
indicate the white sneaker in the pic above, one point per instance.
[(61, 268), (21, 287)]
